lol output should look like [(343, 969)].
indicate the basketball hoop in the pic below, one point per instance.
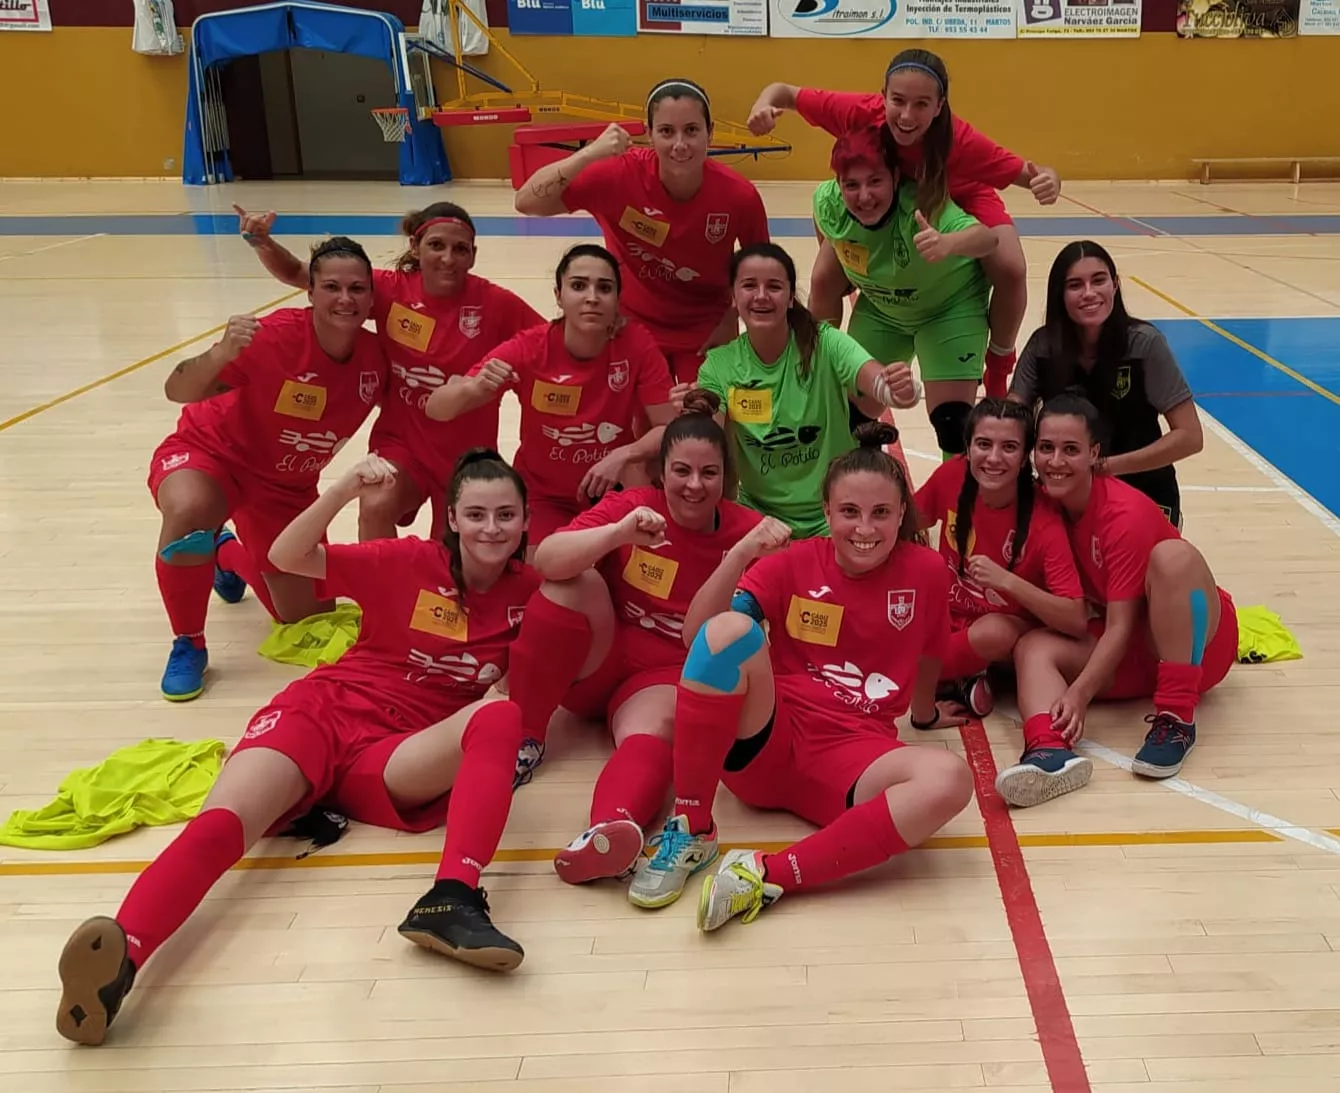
[(394, 122)]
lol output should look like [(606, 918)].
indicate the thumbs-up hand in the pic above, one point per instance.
[(763, 118), (1044, 182), (930, 244)]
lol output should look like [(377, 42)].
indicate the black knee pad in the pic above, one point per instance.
[(950, 422)]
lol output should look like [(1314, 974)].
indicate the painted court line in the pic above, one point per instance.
[(399, 858), (102, 381), (51, 246), (1051, 1014), (1317, 840)]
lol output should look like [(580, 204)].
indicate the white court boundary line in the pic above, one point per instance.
[(51, 246)]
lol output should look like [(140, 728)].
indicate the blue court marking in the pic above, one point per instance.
[(1299, 435), (781, 227)]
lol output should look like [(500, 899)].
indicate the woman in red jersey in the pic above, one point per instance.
[(619, 580), (672, 215), (1165, 630), (583, 381), (436, 319), (382, 735), (269, 406), (948, 158), (1009, 558), (804, 719)]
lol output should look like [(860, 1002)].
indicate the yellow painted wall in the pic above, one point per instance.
[(1139, 108)]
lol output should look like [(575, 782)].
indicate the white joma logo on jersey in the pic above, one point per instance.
[(820, 592)]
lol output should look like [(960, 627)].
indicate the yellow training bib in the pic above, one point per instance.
[(439, 616), (750, 407), (412, 329), (951, 533), (814, 622), (304, 400), (853, 256), (651, 573), (644, 227), (555, 398)]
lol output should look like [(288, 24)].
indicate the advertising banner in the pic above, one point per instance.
[(1079, 18), (1320, 17), (1237, 18), (892, 18), (539, 17), (24, 15), (604, 18), (748, 18)]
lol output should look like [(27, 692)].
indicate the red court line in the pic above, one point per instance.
[(1051, 1015)]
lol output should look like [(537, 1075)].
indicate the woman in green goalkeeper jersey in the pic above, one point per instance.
[(785, 386), (922, 289)]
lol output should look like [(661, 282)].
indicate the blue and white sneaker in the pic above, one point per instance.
[(1166, 746), (528, 760), (660, 879), (184, 677), (230, 587), (1043, 774)]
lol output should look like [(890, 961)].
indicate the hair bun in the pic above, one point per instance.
[(875, 434), (701, 401), (476, 455)]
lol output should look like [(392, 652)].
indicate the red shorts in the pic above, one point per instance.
[(547, 515), (809, 764), (1137, 674), (259, 512), (684, 364), (982, 201), (341, 742), (599, 696), (427, 486)]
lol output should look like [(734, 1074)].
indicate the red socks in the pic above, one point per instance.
[(996, 378), (961, 661), (185, 590), (632, 786), (482, 794), (1038, 733), (175, 882), (545, 658), (232, 556), (859, 839), (705, 727), (1177, 690)]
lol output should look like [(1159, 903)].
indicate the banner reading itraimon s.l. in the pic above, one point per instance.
[(891, 18)]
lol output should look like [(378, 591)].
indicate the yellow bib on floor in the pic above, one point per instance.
[(147, 784), (1262, 637), (315, 640)]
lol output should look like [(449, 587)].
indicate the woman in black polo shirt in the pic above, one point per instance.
[(1124, 367)]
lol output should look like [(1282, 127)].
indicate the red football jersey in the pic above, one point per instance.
[(291, 407), (428, 339), (843, 647), (419, 651), (675, 255), (1047, 560), (1113, 539), (574, 413), (652, 589)]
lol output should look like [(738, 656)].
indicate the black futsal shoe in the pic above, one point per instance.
[(453, 919), (96, 974)]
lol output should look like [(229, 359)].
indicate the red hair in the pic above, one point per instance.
[(860, 147)]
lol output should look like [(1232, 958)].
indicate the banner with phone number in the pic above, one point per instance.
[(1079, 18), (24, 15)]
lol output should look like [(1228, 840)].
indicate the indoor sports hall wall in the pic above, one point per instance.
[(80, 103)]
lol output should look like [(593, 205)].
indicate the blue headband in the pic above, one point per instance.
[(920, 68)]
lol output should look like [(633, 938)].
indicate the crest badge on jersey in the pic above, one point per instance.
[(902, 608), (1096, 551), (618, 375), (515, 615), (717, 226), (470, 321), (369, 384)]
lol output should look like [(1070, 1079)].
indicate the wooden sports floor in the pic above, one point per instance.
[(1130, 938)]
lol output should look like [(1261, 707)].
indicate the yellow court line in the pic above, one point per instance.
[(1260, 354), (104, 380), (544, 854)]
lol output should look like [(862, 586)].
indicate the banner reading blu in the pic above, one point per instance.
[(539, 16), (604, 18)]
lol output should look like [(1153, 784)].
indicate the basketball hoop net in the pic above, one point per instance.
[(394, 122)]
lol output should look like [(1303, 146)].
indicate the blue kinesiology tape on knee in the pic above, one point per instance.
[(721, 670), (1200, 621), (198, 542)]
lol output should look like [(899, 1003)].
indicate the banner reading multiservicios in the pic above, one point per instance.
[(748, 18)]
